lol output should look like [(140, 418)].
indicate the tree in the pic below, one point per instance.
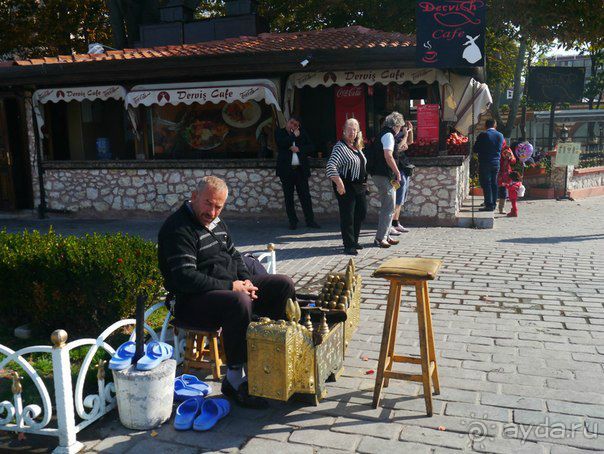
[(534, 22), (33, 28)]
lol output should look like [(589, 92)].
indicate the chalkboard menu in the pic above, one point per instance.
[(556, 84), (450, 33)]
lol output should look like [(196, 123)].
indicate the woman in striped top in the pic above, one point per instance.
[(347, 170)]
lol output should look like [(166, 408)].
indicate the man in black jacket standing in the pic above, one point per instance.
[(293, 170), (213, 287)]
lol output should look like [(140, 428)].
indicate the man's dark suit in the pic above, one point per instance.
[(488, 147), (294, 177)]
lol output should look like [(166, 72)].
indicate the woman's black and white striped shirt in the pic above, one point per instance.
[(346, 163)]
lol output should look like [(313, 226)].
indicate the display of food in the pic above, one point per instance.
[(241, 114), (423, 147), (205, 135), (458, 144)]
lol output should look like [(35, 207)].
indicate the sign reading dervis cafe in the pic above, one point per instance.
[(450, 33)]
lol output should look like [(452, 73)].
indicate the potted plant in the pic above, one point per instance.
[(475, 188)]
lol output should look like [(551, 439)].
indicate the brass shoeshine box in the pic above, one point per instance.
[(288, 357)]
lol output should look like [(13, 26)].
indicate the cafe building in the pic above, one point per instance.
[(128, 133)]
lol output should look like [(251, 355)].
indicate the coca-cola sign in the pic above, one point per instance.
[(451, 33), (347, 92)]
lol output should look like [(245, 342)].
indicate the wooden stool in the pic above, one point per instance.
[(416, 272), (197, 355)]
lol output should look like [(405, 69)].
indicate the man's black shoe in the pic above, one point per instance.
[(351, 251), (313, 225), (486, 209), (293, 226), (242, 396), (358, 246)]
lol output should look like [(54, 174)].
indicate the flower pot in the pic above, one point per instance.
[(541, 193), (534, 171), (145, 397), (476, 191)]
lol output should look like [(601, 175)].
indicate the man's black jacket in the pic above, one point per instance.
[(195, 259), (284, 141)]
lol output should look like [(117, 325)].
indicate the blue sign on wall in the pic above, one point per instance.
[(451, 33)]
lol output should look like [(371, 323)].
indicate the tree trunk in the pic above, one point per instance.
[(495, 106), (520, 59)]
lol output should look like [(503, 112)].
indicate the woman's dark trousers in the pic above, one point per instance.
[(353, 209)]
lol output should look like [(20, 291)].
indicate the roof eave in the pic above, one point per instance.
[(226, 65)]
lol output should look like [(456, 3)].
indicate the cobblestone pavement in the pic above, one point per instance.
[(518, 315)]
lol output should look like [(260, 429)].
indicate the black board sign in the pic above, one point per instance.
[(556, 84), (450, 33)]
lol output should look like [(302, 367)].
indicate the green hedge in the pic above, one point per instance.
[(79, 284)]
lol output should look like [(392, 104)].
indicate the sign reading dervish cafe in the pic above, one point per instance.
[(450, 33)]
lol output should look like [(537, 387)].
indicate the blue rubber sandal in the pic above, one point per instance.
[(212, 411), (122, 358), (184, 392), (156, 353), (187, 412), (193, 382)]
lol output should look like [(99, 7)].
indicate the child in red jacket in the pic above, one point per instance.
[(513, 187), (506, 162)]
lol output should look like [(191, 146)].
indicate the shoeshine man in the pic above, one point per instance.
[(213, 287)]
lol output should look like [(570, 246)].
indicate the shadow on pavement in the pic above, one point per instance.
[(553, 239)]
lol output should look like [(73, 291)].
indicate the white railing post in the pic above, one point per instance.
[(271, 248), (61, 368)]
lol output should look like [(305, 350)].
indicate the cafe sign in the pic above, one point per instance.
[(450, 33), (162, 95), (79, 94)]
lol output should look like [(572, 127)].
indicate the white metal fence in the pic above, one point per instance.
[(73, 411)]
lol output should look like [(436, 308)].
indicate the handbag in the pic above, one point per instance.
[(408, 169)]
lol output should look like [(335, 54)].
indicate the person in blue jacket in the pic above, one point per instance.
[(488, 147)]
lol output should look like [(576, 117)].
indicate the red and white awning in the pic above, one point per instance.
[(204, 92), (358, 77)]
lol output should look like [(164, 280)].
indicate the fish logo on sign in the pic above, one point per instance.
[(163, 95)]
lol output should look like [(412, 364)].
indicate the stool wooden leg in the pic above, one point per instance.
[(423, 347), (387, 332), (215, 357), (431, 338), (390, 354), (189, 345)]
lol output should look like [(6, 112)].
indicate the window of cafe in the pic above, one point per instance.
[(207, 120), (323, 110), (83, 123), (87, 131), (212, 131)]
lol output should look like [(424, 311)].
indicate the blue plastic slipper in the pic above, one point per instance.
[(122, 358), (156, 352), (187, 412), (184, 392), (193, 382), (212, 411)]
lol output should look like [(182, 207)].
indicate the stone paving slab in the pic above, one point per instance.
[(518, 315)]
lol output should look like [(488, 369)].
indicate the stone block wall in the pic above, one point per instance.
[(113, 189)]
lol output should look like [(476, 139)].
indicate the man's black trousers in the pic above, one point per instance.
[(233, 311), (297, 180)]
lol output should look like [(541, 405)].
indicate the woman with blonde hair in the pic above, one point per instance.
[(347, 170)]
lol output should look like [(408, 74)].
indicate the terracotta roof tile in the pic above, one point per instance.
[(355, 37)]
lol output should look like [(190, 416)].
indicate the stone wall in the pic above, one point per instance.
[(586, 178), (113, 188)]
